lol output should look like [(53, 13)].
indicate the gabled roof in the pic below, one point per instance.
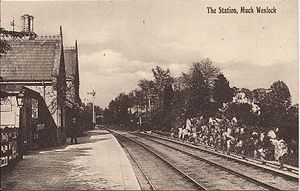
[(70, 56), (32, 60), (72, 73)]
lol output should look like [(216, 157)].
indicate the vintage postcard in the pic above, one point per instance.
[(149, 95)]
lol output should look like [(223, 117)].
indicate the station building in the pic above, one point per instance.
[(45, 75)]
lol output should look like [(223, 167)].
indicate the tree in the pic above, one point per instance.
[(243, 112), (162, 79), (247, 93), (198, 92), (291, 124), (168, 94), (259, 94), (222, 93), (275, 104), (107, 116), (163, 117), (118, 110), (147, 92), (86, 116), (208, 70), (280, 94), (199, 82)]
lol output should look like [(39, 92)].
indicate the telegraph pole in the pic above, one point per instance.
[(93, 93), (13, 24)]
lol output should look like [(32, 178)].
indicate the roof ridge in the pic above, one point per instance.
[(38, 39), (69, 48), (48, 37)]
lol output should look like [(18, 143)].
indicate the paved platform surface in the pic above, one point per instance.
[(98, 162)]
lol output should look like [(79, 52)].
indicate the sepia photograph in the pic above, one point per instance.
[(149, 95)]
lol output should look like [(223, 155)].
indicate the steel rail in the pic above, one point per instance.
[(262, 184), (138, 165), (198, 185), (230, 157)]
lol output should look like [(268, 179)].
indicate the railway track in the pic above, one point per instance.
[(155, 169), (145, 184), (289, 172), (269, 179), (267, 165), (207, 174)]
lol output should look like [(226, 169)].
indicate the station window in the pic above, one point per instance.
[(35, 108)]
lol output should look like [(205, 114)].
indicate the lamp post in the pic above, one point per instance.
[(93, 93), (81, 108), (20, 99)]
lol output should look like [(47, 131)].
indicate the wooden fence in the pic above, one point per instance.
[(10, 147)]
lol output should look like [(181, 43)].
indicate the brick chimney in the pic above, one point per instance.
[(27, 23)]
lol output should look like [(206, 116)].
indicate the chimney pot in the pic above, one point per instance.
[(27, 23)]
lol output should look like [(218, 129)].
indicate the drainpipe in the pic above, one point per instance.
[(44, 90)]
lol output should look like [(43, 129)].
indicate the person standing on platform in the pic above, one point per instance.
[(74, 130)]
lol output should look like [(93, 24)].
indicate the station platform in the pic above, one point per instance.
[(97, 163)]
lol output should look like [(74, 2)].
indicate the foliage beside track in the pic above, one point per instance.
[(165, 102)]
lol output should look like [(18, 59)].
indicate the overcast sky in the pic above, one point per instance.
[(120, 41)]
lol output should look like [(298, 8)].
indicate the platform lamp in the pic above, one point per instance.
[(20, 99), (81, 108)]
